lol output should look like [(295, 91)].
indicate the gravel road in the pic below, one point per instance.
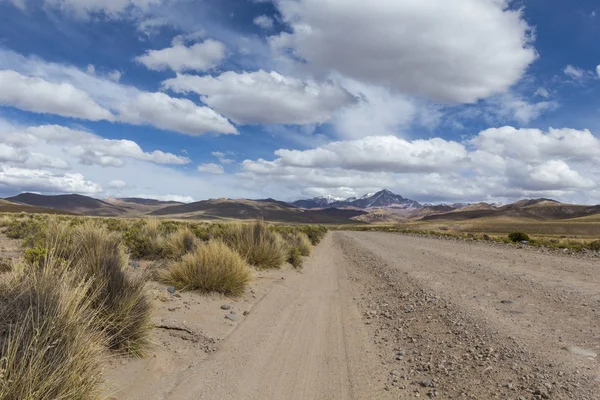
[(389, 316)]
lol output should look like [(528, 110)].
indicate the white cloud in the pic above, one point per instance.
[(264, 21), (38, 95), (87, 147), (515, 108), (181, 115), (265, 97), (500, 163), (198, 57), (117, 184), (20, 179), (211, 168), (458, 51), (598, 70), (222, 157), (574, 72), (550, 175), (127, 103), (377, 112), (115, 75), (112, 8), (167, 197), (580, 75), (542, 92)]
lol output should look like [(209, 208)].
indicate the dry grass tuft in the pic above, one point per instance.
[(125, 310), (48, 346), (260, 246), (181, 242), (303, 244), (210, 267)]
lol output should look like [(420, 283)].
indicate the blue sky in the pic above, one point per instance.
[(469, 100)]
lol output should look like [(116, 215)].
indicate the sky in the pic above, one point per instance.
[(440, 101)]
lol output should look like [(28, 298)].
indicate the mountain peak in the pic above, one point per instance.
[(382, 199)]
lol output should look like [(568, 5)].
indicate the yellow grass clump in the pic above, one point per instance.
[(49, 348), (180, 242), (260, 246), (210, 267)]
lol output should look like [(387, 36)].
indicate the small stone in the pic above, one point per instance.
[(427, 383), (395, 373), (232, 317), (507, 302), (226, 307), (123, 362), (134, 264), (246, 313), (171, 289)]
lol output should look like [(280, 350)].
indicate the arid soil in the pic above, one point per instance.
[(384, 316)]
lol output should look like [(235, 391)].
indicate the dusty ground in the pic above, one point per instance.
[(384, 316)]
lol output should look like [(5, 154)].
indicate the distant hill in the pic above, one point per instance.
[(137, 207), (9, 207), (146, 202), (381, 199), (72, 203), (535, 209), (268, 209)]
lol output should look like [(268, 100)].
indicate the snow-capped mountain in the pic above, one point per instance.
[(382, 199), (319, 202)]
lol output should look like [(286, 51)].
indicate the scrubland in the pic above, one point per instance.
[(77, 296)]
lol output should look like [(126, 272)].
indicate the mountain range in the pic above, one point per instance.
[(381, 207), (381, 199)]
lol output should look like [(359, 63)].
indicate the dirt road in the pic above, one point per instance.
[(386, 316)]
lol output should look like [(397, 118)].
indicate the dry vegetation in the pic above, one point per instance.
[(74, 299)]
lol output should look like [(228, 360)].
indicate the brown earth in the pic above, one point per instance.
[(387, 316)]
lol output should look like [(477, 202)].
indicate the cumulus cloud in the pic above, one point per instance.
[(201, 56), (380, 153), (377, 112), (264, 21), (20, 179), (180, 115), (38, 95), (126, 103), (265, 97), (211, 168), (458, 51), (87, 147), (495, 164)]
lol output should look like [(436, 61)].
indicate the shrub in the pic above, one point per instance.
[(125, 310), (302, 242), (295, 257), (518, 237), (595, 245), (145, 240), (28, 229), (180, 242), (211, 266), (36, 255), (48, 348), (260, 246)]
